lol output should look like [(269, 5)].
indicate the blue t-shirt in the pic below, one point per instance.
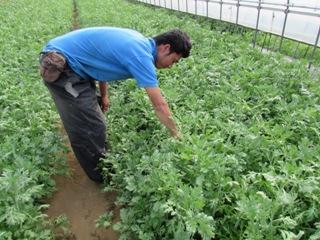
[(108, 54)]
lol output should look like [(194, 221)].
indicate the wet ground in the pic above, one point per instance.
[(82, 202)]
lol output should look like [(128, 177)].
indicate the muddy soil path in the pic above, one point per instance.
[(80, 199), (82, 202)]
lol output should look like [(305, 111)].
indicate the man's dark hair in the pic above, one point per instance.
[(179, 41)]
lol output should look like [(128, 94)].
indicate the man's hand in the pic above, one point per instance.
[(105, 104), (162, 109), (176, 134), (104, 96)]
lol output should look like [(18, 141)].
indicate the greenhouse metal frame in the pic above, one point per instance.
[(297, 20)]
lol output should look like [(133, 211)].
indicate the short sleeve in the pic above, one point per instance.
[(143, 70)]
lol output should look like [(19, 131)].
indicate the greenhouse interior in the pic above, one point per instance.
[(240, 162), (298, 20)]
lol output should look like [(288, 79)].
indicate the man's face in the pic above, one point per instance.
[(164, 59)]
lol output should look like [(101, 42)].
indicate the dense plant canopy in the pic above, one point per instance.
[(246, 168)]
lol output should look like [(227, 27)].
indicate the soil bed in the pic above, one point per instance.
[(82, 202)]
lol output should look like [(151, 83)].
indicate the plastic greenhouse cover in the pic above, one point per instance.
[(302, 23)]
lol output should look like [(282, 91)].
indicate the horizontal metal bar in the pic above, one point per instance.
[(267, 8), (262, 3)]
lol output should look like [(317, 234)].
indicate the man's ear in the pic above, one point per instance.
[(164, 47), (167, 47)]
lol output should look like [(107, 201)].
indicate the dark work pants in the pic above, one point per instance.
[(82, 118)]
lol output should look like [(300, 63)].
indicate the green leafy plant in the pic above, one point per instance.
[(247, 167), (31, 145)]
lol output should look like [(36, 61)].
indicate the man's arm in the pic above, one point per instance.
[(162, 109), (103, 86)]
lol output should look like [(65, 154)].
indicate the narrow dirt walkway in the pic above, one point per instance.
[(80, 199), (82, 202)]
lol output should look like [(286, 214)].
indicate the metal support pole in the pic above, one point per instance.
[(268, 48), (237, 17), (187, 6), (195, 7), (220, 17), (314, 48), (257, 24), (284, 24), (207, 8), (295, 51), (305, 53), (274, 43), (264, 41)]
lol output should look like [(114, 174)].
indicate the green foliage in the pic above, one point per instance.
[(247, 167), (31, 146)]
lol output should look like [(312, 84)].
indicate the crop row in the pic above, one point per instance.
[(31, 146), (247, 167)]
